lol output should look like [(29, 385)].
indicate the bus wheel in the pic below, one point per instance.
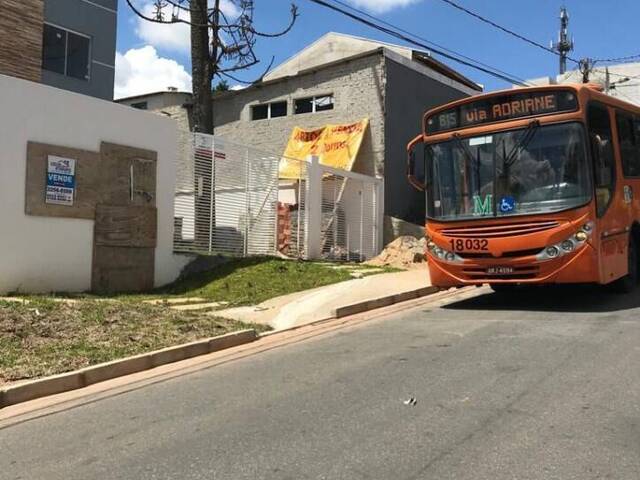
[(628, 283)]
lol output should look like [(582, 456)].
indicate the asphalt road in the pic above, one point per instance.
[(542, 385)]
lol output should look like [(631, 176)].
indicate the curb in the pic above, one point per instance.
[(383, 302), (105, 371)]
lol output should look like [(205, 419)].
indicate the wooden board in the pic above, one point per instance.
[(122, 269), (126, 226), (130, 174), (86, 193)]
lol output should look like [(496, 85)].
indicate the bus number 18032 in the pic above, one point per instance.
[(461, 245)]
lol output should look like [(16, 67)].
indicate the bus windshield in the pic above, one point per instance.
[(538, 169)]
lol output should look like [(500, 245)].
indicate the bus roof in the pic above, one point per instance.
[(515, 105), (593, 90)]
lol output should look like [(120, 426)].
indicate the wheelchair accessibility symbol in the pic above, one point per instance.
[(507, 204)]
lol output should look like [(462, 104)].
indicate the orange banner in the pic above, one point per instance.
[(336, 145)]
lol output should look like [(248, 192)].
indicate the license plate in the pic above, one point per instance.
[(499, 270)]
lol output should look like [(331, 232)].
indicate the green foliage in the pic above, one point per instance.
[(222, 86), (254, 280)]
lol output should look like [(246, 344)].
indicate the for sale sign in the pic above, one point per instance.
[(61, 180)]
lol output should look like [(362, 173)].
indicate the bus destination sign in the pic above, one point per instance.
[(502, 108)]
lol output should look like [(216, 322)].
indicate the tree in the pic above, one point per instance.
[(222, 86), (221, 44)]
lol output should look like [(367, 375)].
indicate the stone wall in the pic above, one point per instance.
[(21, 24), (358, 89)]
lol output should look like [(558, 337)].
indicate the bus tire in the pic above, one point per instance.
[(629, 282)]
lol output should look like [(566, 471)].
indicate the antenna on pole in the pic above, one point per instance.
[(564, 45)]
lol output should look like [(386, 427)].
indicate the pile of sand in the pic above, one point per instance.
[(404, 252)]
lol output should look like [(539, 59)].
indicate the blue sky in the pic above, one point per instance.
[(153, 59)]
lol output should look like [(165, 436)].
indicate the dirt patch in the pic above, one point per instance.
[(404, 252), (46, 337)]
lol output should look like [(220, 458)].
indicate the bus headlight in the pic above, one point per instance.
[(552, 252), (441, 253), (567, 246)]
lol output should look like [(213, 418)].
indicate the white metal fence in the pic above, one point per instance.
[(229, 200)]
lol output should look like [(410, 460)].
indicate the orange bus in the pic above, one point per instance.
[(531, 186)]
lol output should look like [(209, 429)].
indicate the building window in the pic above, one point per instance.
[(314, 104), (140, 105), (65, 52), (269, 110)]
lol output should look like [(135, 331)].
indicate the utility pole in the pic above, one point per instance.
[(586, 66), (564, 45)]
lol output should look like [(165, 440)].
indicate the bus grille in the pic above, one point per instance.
[(492, 231), (513, 254)]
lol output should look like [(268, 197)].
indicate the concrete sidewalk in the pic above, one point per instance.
[(320, 303)]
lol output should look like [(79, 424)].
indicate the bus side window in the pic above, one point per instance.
[(629, 144), (602, 151)]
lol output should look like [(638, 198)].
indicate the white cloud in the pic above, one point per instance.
[(176, 36), (381, 6), (237, 87), (141, 71)]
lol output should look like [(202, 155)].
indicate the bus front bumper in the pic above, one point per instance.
[(580, 266)]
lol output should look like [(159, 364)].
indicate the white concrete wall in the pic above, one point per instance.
[(624, 78), (42, 254)]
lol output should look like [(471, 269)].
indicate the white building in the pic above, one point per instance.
[(623, 80)]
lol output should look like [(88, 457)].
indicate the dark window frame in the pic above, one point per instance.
[(299, 101), (314, 106), (268, 106), (634, 119), (601, 210), (281, 102), (67, 33)]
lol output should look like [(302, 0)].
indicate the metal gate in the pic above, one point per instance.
[(226, 199), (229, 200)]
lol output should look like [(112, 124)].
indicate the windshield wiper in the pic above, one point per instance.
[(509, 159), (524, 140)]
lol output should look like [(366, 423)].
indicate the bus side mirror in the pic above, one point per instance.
[(416, 179)]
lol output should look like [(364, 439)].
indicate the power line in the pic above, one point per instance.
[(626, 59), (630, 77), (429, 42), (394, 32), (504, 29), (508, 31), (627, 97)]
